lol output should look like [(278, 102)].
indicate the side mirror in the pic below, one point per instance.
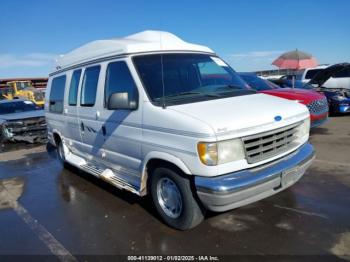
[(121, 101)]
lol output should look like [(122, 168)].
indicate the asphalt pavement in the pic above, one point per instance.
[(65, 214)]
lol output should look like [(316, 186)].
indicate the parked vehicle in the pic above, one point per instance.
[(308, 73), (340, 79), (22, 120), (152, 114), (287, 82), (23, 90), (315, 102), (338, 98), (339, 101)]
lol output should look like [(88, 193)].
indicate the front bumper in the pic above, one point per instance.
[(35, 134), (244, 187), (317, 120), (341, 107)]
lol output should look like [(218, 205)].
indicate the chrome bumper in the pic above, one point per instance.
[(233, 190)]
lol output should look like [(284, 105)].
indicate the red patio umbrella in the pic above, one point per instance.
[(295, 60)]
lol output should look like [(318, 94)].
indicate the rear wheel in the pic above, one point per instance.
[(174, 200)]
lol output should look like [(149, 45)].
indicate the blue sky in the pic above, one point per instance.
[(248, 34)]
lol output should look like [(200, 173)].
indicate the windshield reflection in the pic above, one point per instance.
[(182, 78)]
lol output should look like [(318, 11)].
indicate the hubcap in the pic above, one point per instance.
[(169, 197)]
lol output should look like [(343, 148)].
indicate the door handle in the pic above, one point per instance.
[(82, 127), (104, 130)]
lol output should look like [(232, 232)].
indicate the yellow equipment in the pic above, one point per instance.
[(23, 90)]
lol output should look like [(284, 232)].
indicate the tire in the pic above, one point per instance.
[(186, 213), (60, 152)]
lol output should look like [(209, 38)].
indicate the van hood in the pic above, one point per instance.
[(302, 95), (245, 113), (320, 78)]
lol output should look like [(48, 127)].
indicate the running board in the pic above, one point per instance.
[(72, 158), (102, 172), (92, 169), (110, 177)]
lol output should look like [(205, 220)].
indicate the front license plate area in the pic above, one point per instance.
[(290, 176)]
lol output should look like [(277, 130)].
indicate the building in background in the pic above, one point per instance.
[(277, 73), (37, 82)]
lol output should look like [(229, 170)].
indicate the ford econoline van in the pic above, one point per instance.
[(153, 114)]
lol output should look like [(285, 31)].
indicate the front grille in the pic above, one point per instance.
[(31, 126), (265, 145), (318, 106)]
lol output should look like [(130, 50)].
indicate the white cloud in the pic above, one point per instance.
[(27, 60), (253, 60), (257, 54)]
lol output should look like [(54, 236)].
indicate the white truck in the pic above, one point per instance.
[(152, 114)]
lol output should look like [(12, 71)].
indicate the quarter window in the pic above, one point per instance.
[(119, 80), (311, 73), (343, 73), (73, 90), (57, 94), (89, 86)]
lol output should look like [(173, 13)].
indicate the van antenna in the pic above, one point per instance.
[(162, 70)]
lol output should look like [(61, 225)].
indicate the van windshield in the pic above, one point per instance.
[(187, 78)]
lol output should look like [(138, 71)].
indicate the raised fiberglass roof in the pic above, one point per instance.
[(146, 41)]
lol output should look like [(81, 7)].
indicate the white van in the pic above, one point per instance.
[(339, 80), (152, 114)]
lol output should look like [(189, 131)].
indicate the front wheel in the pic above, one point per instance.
[(174, 200), (60, 152)]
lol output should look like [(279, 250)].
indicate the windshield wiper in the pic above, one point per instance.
[(189, 93), (230, 86), (184, 94), (233, 88)]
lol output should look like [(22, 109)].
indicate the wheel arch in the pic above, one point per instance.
[(154, 159), (57, 136)]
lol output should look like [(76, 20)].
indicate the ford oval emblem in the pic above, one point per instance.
[(278, 118)]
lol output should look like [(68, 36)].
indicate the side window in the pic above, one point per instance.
[(343, 73), (57, 94), (119, 80), (73, 89), (89, 86), (311, 73)]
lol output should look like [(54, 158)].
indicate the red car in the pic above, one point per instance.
[(316, 102)]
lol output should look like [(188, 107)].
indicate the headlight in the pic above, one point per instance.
[(339, 98), (304, 128), (7, 133), (212, 154), (208, 153)]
